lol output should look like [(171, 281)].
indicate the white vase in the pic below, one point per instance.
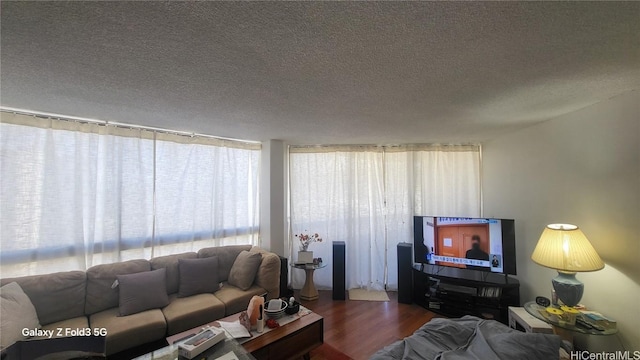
[(305, 257)]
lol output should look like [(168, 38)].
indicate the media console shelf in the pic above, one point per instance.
[(484, 295)]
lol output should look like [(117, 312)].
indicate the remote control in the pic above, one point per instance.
[(584, 324)]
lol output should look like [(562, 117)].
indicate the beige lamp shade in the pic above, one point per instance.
[(565, 248)]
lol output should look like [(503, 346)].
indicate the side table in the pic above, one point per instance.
[(565, 329), (309, 291)]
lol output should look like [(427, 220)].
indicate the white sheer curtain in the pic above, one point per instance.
[(205, 195), (367, 196), (75, 195), (340, 195)]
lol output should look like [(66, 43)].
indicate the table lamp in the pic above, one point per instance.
[(565, 248)]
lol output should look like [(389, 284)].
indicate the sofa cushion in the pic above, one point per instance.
[(236, 300), (17, 313), (142, 291), (244, 269), (100, 278), (189, 312), (226, 256), (170, 262), (198, 276), (268, 275), (125, 332), (59, 327), (56, 296)]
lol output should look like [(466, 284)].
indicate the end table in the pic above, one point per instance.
[(565, 329), (309, 291)]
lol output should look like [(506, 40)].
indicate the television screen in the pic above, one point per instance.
[(469, 243)]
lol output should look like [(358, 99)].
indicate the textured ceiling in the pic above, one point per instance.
[(320, 72)]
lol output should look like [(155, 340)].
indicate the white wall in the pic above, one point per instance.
[(580, 168)]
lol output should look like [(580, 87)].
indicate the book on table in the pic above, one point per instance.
[(235, 329)]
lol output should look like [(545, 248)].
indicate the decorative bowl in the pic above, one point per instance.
[(275, 314)]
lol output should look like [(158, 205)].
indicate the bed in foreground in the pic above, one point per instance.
[(471, 338)]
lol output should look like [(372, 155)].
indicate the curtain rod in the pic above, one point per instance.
[(46, 115), (382, 145), (388, 146)]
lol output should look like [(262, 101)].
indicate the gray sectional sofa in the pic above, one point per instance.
[(87, 299)]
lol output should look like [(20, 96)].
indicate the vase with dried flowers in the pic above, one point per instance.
[(304, 255), (306, 240)]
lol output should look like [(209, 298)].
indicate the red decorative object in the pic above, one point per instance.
[(272, 324)]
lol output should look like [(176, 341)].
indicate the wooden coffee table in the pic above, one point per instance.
[(291, 341)]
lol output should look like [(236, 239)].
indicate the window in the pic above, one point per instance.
[(74, 195), (367, 196)]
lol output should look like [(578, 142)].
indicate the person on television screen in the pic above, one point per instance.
[(495, 262), (476, 253)]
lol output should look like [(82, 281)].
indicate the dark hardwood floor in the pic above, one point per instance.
[(360, 328), (355, 328)]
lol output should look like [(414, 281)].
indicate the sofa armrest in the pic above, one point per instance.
[(268, 276)]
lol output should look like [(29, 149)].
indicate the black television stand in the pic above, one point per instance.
[(458, 292)]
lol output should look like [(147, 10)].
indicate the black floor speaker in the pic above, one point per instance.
[(339, 270), (284, 278), (405, 273)]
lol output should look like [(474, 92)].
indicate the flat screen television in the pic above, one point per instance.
[(469, 243)]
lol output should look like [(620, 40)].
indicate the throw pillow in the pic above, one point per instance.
[(142, 291), (17, 313), (244, 269), (198, 276)]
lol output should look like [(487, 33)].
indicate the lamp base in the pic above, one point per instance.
[(568, 288)]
